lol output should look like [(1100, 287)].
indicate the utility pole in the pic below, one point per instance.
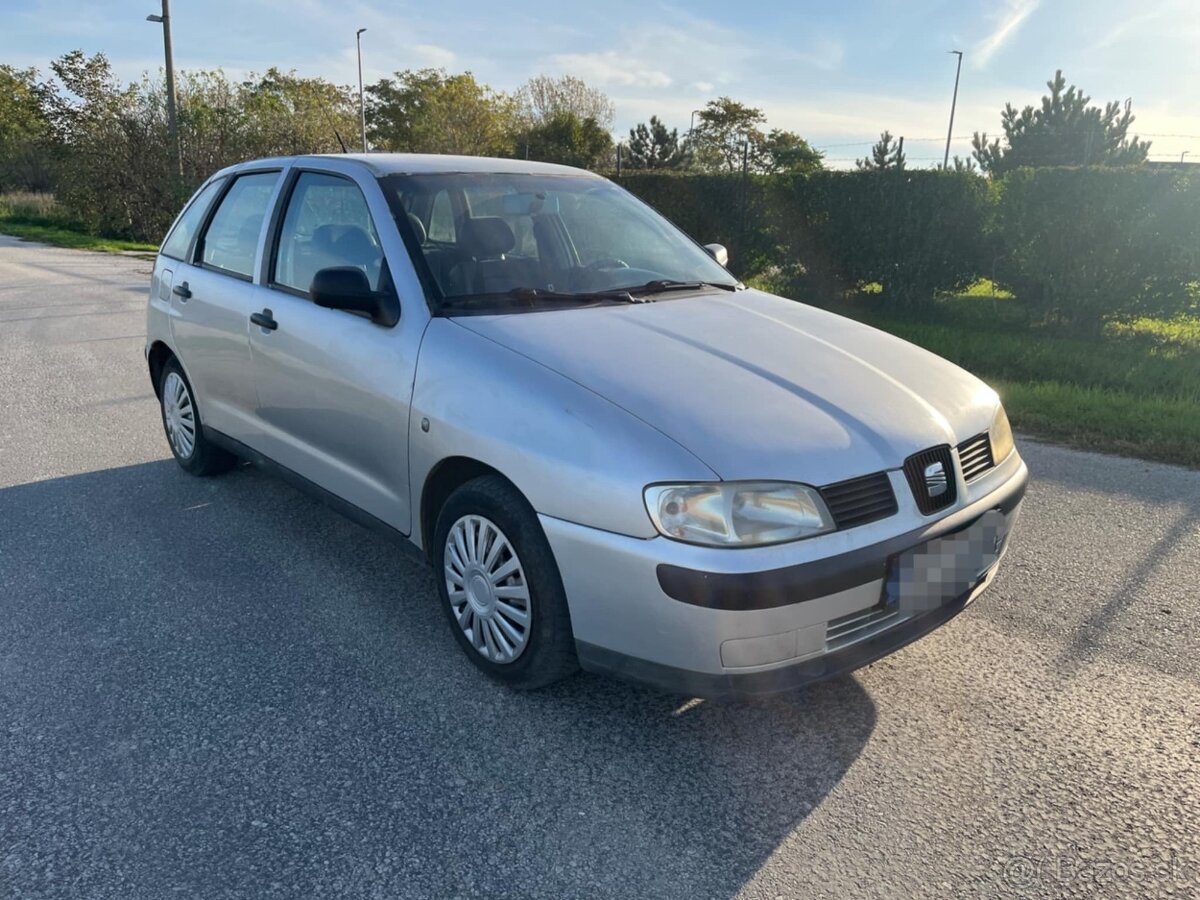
[(172, 121), (953, 104), (362, 104)]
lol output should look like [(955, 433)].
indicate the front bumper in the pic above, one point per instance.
[(724, 623), (733, 685)]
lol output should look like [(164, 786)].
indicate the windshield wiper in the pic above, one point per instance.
[(663, 285), (533, 294)]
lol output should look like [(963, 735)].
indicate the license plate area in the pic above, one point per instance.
[(934, 573)]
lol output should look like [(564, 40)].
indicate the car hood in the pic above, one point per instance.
[(757, 387)]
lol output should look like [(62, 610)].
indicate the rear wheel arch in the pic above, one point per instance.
[(156, 359)]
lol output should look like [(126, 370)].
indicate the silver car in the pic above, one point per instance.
[(614, 454)]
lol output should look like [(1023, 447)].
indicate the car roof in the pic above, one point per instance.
[(380, 164)]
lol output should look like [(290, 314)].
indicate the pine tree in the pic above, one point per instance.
[(654, 147), (1064, 131), (884, 155)]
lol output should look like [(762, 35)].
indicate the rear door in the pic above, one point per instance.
[(212, 299), (333, 386)]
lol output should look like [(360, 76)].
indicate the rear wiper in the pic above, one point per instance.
[(662, 285), (534, 294)]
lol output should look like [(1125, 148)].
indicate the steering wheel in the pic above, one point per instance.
[(610, 262)]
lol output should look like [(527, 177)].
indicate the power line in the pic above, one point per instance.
[(967, 137)]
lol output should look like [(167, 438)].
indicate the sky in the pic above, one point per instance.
[(838, 73)]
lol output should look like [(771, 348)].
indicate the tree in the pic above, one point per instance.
[(721, 135), (293, 115), (785, 151), (730, 134), (430, 111), (884, 155), (114, 175), (544, 97), (25, 146), (566, 139), (1064, 131), (653, 147)]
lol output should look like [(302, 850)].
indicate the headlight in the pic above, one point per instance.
[(737, 514), (1001, 436)]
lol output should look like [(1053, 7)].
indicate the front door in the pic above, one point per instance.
[(333, 387)]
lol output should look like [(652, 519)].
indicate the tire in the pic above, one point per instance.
[(483, 621), (185, 431)]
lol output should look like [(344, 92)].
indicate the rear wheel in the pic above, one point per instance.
[(185, 432), (500, 587)]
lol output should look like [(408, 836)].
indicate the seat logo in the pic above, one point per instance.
[(936, 482)]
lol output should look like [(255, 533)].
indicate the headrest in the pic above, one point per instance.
[(356, 246), (325, 236), (418, 228), (485, 236)]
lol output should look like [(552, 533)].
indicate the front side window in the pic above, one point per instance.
[(521, 238), (327, 225), (179, 241), (231, 241)]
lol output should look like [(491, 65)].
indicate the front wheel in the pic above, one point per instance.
[(185, 432), (500, 587)]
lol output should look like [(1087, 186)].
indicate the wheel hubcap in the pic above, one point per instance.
[(179, 415), (488, 592)]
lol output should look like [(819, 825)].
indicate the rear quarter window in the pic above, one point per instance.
[(179, 242)]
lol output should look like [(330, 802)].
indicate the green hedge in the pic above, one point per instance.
[(1083, 245), (1077, 245)]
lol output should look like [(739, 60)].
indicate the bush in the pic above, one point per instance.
[(914, 233), (722, 209), (1089, 244), (1080, 246)]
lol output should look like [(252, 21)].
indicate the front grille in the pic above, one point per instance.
[(860, 500), (975, 456), (922, 473), (860, 624)]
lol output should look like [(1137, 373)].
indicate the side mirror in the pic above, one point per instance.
[(346, 287), (718, 252)]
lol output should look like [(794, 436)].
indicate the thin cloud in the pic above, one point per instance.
[(1010, 22), (433, 56), (609, 68)]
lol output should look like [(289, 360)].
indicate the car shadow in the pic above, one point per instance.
[(1157, 507), (219, 686)]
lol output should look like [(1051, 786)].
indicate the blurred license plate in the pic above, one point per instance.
[(949, 566)]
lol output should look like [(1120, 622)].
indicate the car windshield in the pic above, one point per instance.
[(513, 242)]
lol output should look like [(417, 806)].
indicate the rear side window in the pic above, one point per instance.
[(179, 241), (232, 237)]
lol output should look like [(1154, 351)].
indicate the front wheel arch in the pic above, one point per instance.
[(443, 480)]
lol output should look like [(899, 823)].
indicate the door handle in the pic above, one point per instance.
[(264, 320), (181, 291)]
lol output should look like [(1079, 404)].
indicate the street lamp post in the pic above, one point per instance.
[(1183, 154), (172, 122), (953, 103), (362, 106), (692, 122)]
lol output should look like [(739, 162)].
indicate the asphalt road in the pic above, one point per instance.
[(219, 688)]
